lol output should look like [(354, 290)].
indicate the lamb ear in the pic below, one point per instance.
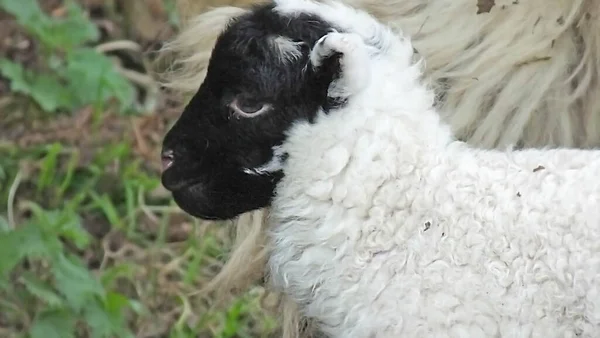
[(304, 47), (324, 75)]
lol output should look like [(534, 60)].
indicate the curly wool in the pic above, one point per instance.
[(385, 225)]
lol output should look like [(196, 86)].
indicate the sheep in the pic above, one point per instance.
[(557, 57)]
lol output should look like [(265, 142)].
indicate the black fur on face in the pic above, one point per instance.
[(223, 131)]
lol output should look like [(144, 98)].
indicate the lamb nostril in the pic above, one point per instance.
[(167, 158)]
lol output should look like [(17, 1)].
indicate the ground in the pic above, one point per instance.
[(81, 186)]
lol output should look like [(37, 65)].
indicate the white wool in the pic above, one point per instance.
[(386, 226)]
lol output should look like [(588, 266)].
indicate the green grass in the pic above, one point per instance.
[(54, 273), (90, 246)]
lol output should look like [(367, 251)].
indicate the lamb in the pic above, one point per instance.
[(356, 241), (215, 192), (521, 73)]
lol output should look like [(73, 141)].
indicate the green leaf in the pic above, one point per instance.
[(2, 173), (98, 320), (25, 241), (45, 89), (84, 77), (55, 62), (171, 8), (48, 166), (108, 208), (54, 223), (53, 324), (25, 11), (71, 167), (137, 306), (73, 231), (111, 274), (68, 224), (41, 289), (10, 251), (115, 304), (88, 77), (49, 92), (112, 152), (16, 74), (193, 268), (102, 322), (232, 319), (75, 282), (4, 226), (75, 29), (54, 33), (93, 78)]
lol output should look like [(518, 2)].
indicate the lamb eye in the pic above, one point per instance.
[(248, 108)]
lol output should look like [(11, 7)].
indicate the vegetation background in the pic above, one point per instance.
[(91, 245)]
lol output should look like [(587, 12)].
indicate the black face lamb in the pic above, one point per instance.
[(220, 158)]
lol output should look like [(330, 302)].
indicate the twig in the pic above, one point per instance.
[(11, 200), (143, 146), (138, 78), (163, 209), (144, 81), (187, 310), (150, 215), (118, 45)]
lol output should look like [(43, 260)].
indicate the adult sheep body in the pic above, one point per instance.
[(383, 224)]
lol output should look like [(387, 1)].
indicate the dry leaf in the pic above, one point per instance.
[(485, 6), (540, 167)]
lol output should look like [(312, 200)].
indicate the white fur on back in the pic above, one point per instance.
[(385, 226), (525, 73)]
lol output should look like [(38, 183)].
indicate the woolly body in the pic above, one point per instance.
[(384, 225)]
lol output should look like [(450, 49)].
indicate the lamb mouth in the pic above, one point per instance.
[(187, 200), (179, 185)]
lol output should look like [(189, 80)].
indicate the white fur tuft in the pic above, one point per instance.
[(274, 165), (287, 49)]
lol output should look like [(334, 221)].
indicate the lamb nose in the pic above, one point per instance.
[(167, 158)]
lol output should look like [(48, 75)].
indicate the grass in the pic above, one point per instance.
[(90, 243)]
